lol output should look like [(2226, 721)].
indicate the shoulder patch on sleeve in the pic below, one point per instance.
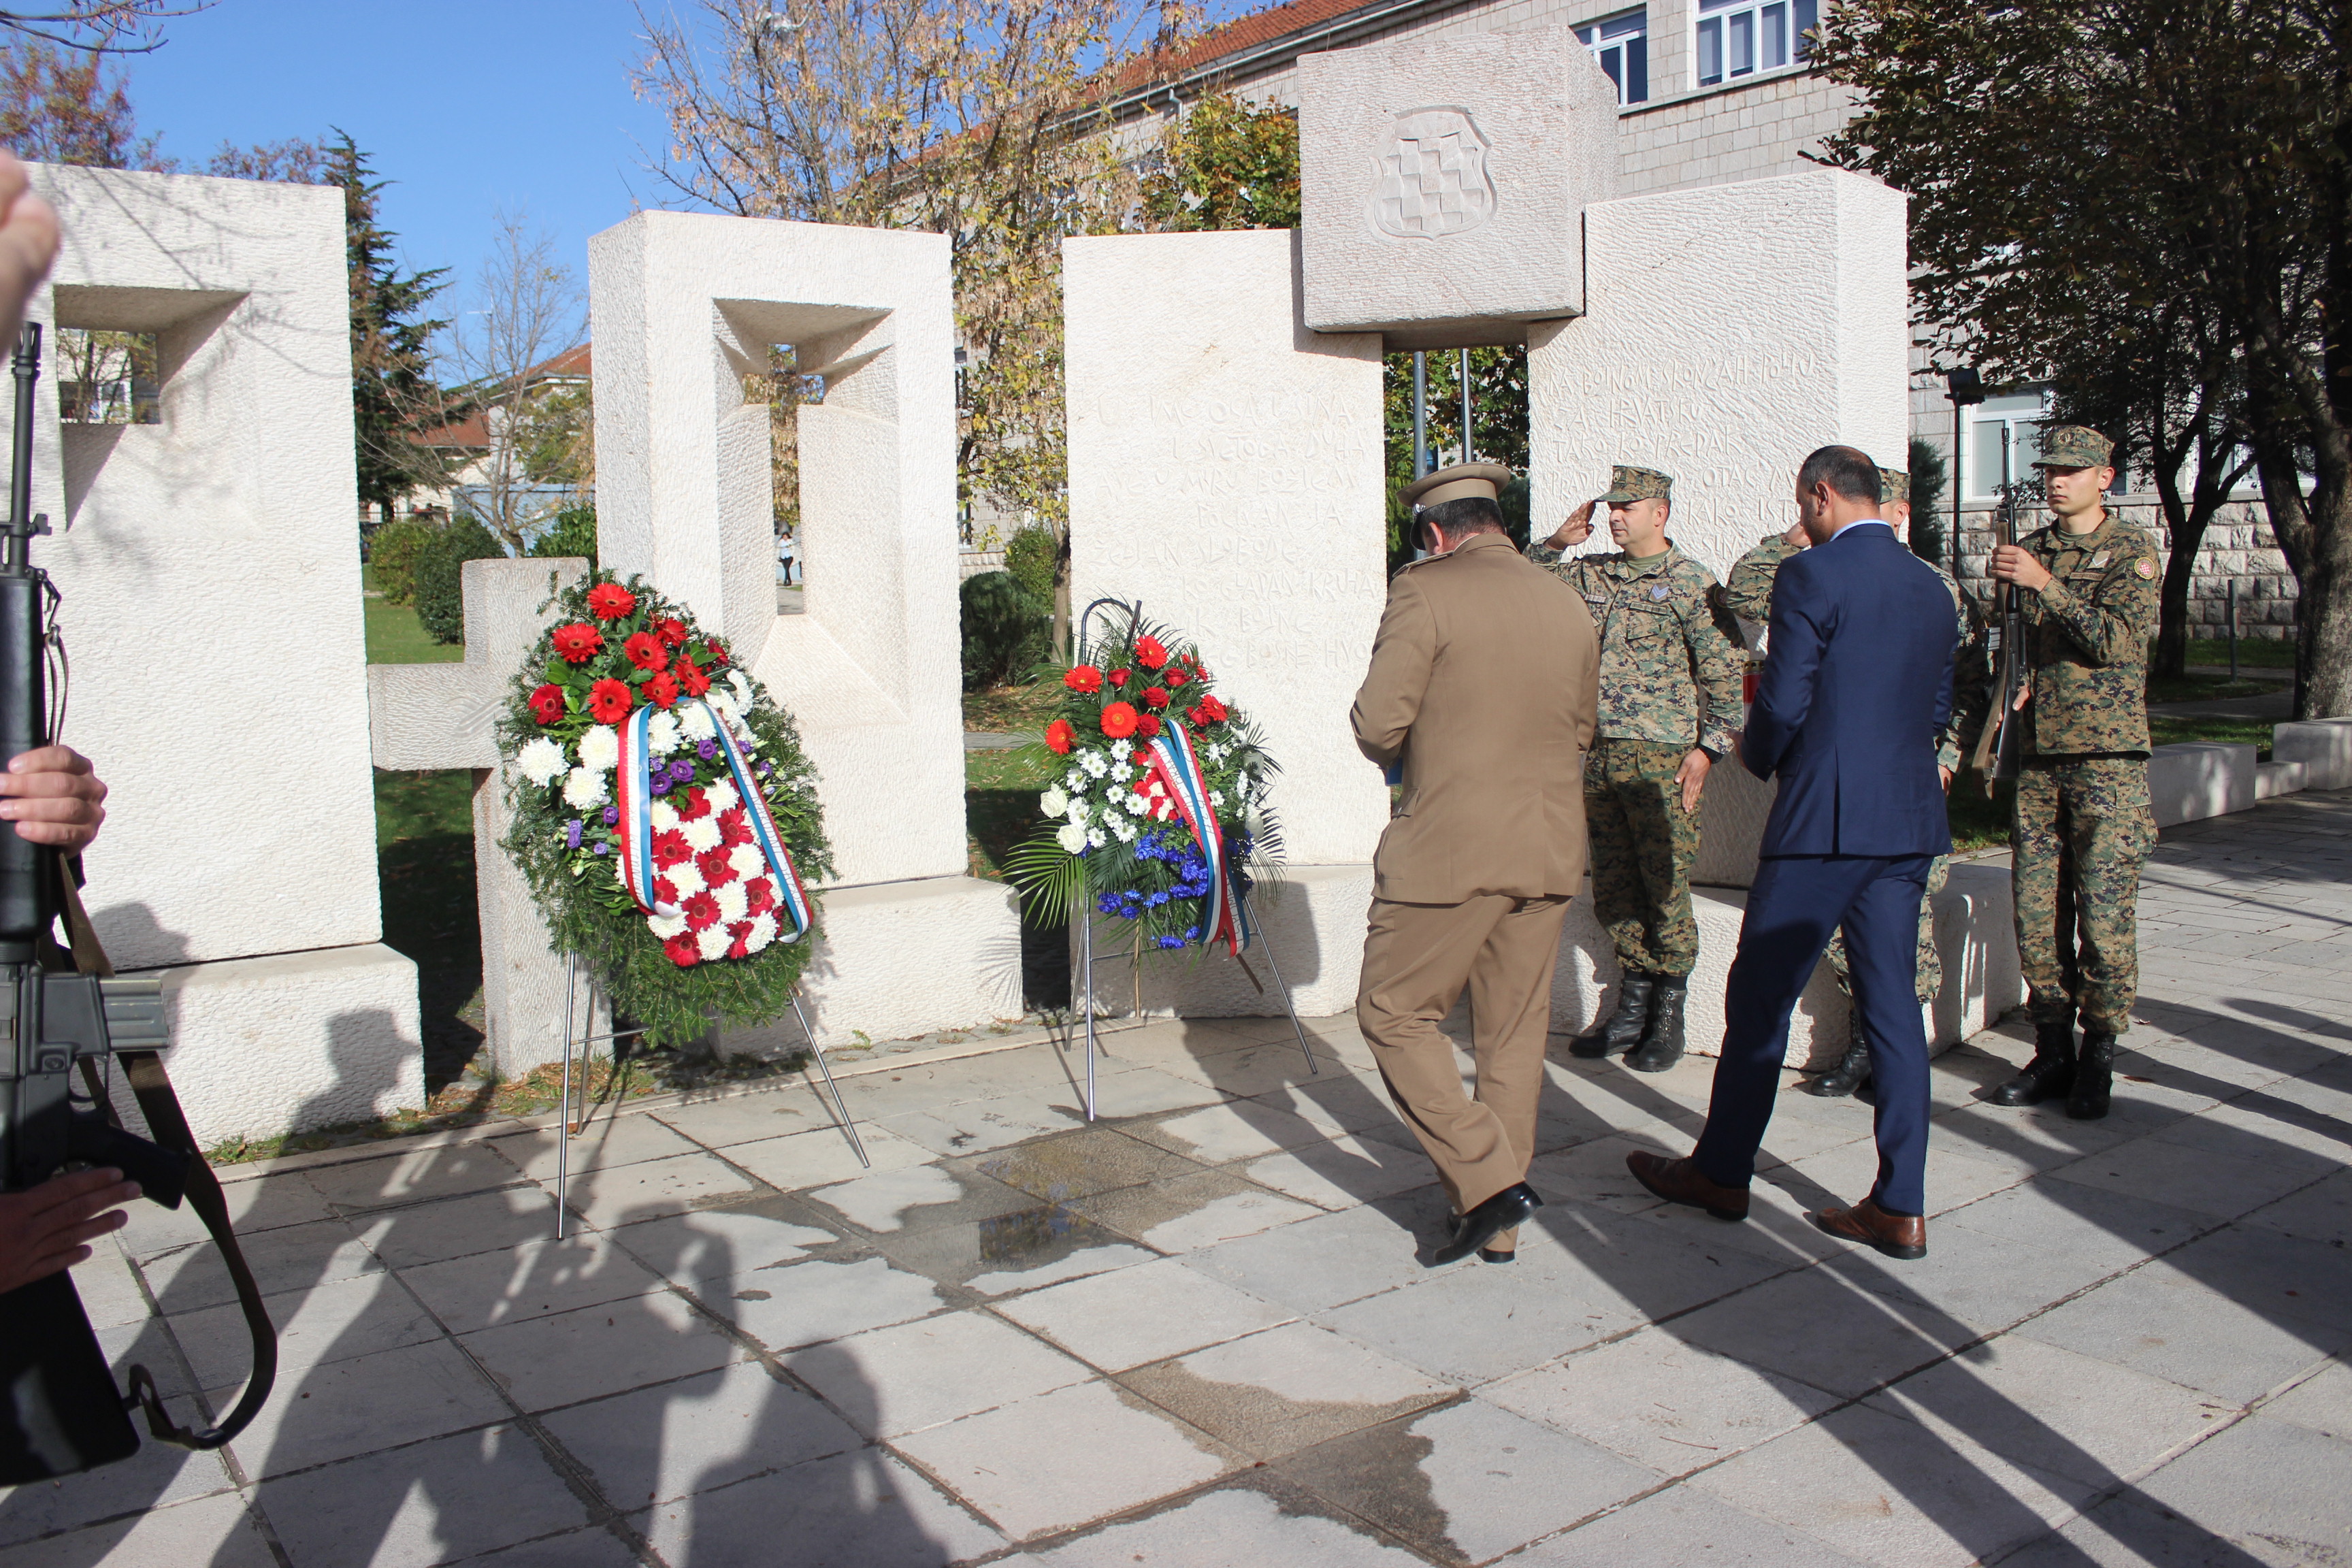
[(2145, 567)]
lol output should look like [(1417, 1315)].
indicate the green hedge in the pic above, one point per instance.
[(574, 533), (391, 551), (1005, 630), (1031, 555), (440, 600)]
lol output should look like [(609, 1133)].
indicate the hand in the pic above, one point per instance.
[(1575, 530), (28, 243), (44, 1230), (1797, 538), (1946, 775), (2014, 563), (53, 797), (1692, 776)]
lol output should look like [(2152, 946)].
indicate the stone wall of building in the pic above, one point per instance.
[(1717, 134)]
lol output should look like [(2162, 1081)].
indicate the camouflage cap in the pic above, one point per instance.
[(1457, 483), (2074, 447), (1893, 485), (1637, 484)]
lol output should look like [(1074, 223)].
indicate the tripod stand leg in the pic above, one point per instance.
[(840, 1106), (1288, 1005), (564, 1127), (1086, 995)]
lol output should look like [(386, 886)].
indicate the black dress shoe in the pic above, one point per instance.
[(1488, 1255), (1622, 1030), (1473, 1231)]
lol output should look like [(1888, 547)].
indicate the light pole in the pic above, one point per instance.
[(1966, 389)]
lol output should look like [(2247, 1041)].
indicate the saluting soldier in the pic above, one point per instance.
[(1749, 595), (1670, 705), (2082, 828)]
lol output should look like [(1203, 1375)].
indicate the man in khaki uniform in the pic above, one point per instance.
[(1483, 685)]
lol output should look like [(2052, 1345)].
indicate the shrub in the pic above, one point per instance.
[(391, 551), (573, 532), (1032, 556), (440, 601), (1005, 630)]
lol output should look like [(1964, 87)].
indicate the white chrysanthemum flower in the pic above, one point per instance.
[(702, 833), (542, 761), (600, 748), (664, 816), (741, 684), (1079, 811), (661, 734), (763, 932), (721, 796), (686, 878), (1094, 838), (747, 859), (1125, 834), (713, 942), (665, 927), (1094, 763), (1074, 779), (1136, 804), (1071, 837), (1215, 798), (732, 902), (1054, 803), (584, 788), (696, 726)]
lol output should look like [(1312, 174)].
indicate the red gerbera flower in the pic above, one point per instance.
[(718, 653), (689, 676), (741, 946), (716, 869), (1148, 726), (670, 848), (734, 827), (578, 642), (1119, 721), (691, 804), (683, 950), (758, 896), (1060, 736), (547, 703), (1083, 677), (1148, 653), (701, 911), (609, 702), (644, 650), (1157, 695), (664, 890), (662, 689), (671, 630), (610, 601), (1214, 709)]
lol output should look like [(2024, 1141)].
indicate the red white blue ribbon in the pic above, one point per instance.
[(633, 792), (1177, 769)]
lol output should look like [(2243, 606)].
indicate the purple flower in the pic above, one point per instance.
[(681, 770), (604, 849), (571, 834), (706, 749), (612, 816), (660, 782)]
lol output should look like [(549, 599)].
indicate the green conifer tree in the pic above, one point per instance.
[(394, 394)]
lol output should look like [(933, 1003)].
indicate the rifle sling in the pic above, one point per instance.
[(168, 1124)]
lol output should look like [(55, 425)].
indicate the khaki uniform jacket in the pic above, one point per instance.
[(1484, 679)]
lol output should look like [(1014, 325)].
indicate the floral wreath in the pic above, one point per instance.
[(1161, 801), (664, 813)]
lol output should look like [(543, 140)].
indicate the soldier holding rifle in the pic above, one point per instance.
[(2087, 598)]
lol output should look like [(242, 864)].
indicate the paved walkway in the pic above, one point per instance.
[(1198, 1335)]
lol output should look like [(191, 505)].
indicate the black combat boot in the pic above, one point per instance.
[(2093, 1077), (1662, 1039), (1622, 1030), (1852, 1069), (2050, 1073)]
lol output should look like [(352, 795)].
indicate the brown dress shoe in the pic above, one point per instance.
[(1902, 1236), (1679, 1182)]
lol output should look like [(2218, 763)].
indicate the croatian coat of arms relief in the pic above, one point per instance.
[(1431, 176)]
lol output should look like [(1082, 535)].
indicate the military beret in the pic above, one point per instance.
[(1459, 482), (2074, 447), (1627, 484)]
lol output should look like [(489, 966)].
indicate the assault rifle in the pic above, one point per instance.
[(60, 1412), (2004, 731)]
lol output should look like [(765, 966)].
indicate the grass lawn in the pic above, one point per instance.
[(2270, 653), (1000, 806), (394, 636)]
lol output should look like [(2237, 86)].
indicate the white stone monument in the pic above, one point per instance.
[(1442, 184), (1225, 473), (686, 307), (210, 569)]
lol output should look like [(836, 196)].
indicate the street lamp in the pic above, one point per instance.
[(1966, 389)]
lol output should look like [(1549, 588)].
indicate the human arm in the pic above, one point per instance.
[(47, 1228), (28, 242), (1748, 592), (53, 797), (1404, 652), (1574, 532), (1784, 692), (2111, 622), (1719, 668)]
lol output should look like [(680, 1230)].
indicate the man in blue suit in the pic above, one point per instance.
[(1856, 688)]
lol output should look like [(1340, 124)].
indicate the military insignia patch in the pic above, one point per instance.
[(1432, 181), (2101, 558), (1660, 592), (2145, 567)]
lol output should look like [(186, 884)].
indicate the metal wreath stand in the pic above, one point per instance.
[(1086, 913), (568, 1129)]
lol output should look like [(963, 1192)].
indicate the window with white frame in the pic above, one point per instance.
[(1621, 45), (1741, 38), (2004, 437)]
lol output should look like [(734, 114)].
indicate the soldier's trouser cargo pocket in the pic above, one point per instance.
[(2082, 832), (1644, 844)]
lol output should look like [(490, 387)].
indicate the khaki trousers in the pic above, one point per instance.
[(1417, 960)]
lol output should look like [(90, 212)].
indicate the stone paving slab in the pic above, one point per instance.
[(1203, 1331)]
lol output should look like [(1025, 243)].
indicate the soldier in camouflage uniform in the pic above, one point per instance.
[(1748, 595), (1669, 707), (2082, 828)]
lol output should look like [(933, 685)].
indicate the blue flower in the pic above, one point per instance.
[(660, 782), (1192, 933), (611, 815), (706, 749), (681, 770), (604, 849), (1169, 942), (571, 834)]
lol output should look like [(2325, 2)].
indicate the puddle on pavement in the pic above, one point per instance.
[(1080, 1164), (1381, 1475), (1260, 1422), (1022, 1243)]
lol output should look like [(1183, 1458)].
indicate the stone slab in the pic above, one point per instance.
[(2192, 780), (911, 1376), (1442, 183), (2322, 747), (661, 1443), (1137, 1315)]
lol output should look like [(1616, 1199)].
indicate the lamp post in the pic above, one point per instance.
[(1420, 412), (1966, 389)]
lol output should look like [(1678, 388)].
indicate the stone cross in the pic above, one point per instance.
[(444, 716)]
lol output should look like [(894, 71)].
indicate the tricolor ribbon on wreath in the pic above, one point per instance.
[(1176, 770), (633, 793)]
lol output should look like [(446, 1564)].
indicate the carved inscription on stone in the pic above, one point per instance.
[(1431, 176)]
